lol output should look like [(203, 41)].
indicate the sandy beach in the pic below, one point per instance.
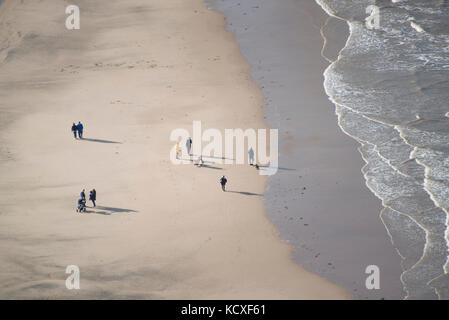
[(134, 71)]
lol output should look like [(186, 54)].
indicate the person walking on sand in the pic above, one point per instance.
[(74, 130), (80, 129), (83, 195), (223, 181), (188, 145), (251, 156), (93, 196)]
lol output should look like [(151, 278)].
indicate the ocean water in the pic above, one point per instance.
[(390, 86)]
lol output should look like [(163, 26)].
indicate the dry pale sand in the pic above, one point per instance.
[(132, 73)]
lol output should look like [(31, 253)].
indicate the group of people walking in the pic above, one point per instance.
[(199, 162), (93, 193), (77, 129), (82, 201)]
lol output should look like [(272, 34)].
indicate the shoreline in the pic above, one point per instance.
[(336, 209), (398, 168), (147, 70)]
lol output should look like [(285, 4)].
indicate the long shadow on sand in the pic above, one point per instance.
[(108, 210), (286, 169), (210, 167), (245, 193), (204, 165), (194, 160), (279, 168), (100, 140), (222, 158)]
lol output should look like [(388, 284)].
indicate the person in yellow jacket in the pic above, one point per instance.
[(178, 150)]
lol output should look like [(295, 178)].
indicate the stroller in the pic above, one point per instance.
[(81, 205)]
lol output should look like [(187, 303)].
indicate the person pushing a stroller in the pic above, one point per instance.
[(81, 205), (82, 200)]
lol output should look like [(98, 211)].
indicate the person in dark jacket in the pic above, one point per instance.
[(223, 181), (251, 156), (80, 129), (189, 145), (74, 130), (93, 196), (83, 195)]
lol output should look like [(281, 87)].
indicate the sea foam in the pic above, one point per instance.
[(390, 87)]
